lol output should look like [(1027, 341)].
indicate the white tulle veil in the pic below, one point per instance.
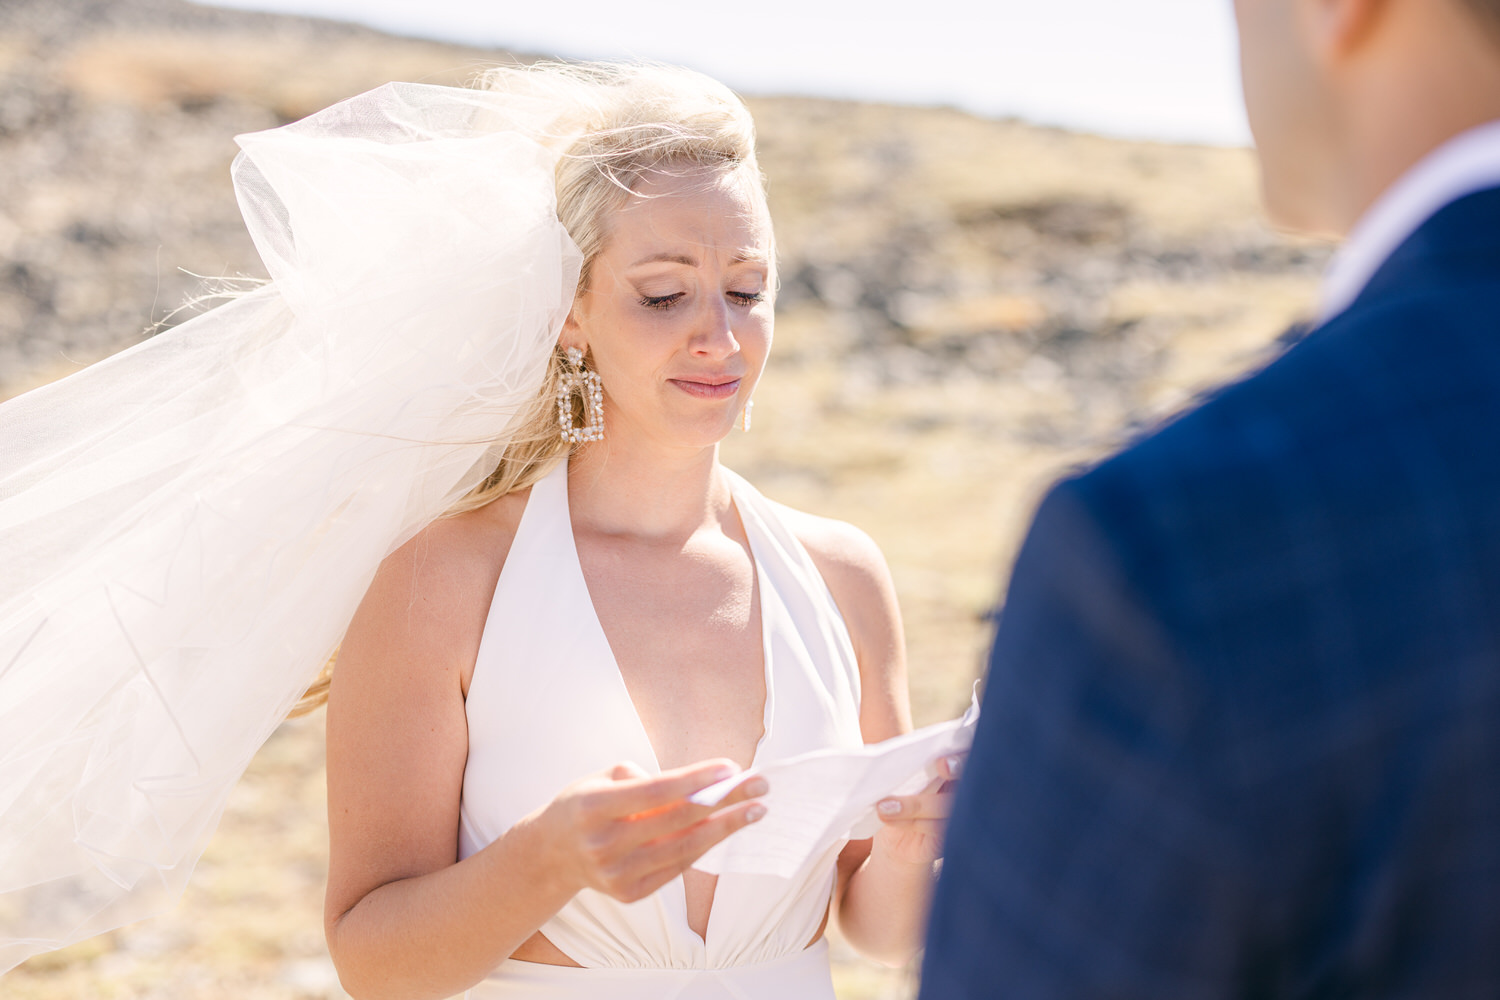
[(187, 527)]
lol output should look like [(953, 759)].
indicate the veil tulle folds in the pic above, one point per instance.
[(187, 527)]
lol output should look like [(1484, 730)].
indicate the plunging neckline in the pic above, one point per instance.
[(630, 711), (544, 711), (758, 598)]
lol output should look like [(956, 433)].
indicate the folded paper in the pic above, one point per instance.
[(821, 798)]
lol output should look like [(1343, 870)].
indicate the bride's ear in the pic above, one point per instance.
[(571, 334)]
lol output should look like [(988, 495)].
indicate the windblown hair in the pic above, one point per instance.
[(613, 123)]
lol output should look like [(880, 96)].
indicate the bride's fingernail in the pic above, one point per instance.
[(955, 765), (889, 807), (756, 787), (755, 813)]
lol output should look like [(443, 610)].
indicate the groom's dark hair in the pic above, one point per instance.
[(1487, 11)]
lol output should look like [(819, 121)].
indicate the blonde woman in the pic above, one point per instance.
[(469, 435), (531, 689)]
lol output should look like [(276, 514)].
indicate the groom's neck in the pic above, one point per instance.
[(1381, 84), (1429, 74)]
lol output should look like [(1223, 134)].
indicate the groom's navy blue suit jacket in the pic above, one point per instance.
[(1241, 733)]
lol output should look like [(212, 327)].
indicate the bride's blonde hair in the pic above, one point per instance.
[(617, 122), (613, 123)]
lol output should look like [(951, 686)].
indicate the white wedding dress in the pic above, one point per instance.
[(547, 705)]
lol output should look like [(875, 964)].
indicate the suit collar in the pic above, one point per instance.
[(1465, 164), (1460, 242)]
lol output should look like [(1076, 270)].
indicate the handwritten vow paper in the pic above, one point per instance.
[(819, 798)]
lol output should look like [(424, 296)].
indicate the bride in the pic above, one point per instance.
[(639, 589), (565, 629)]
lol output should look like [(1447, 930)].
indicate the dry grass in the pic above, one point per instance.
[(292, 77)]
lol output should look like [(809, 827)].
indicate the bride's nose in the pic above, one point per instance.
[(713, 333)]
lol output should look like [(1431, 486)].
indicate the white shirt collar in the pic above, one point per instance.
[(1467, 163)]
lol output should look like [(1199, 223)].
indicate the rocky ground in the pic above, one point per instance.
[(968, 307)]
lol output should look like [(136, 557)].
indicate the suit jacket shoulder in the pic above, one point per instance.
[(1367, 451)]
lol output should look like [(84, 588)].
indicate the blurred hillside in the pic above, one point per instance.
[(968, 306)]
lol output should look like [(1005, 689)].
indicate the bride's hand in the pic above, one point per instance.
[(626, 833), (913, 825)]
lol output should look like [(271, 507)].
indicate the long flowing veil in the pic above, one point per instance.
[(186, 528)]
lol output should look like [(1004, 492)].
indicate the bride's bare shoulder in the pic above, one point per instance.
[(474, 541), (457, 542), (435, 590), (859, 580), (856, 573), (844, 548)]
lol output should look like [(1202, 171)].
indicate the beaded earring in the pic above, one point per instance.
[(585, 383), (745, 416)]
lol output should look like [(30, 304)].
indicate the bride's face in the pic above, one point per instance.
[(677, 314)]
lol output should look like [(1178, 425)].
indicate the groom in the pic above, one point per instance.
[(1241, 736)]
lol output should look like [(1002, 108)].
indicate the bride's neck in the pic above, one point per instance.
[(645, 492)]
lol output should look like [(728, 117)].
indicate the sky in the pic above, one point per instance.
[(1142, 69)]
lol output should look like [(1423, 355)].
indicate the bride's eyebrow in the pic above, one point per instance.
[(742, 257), (669, 258)]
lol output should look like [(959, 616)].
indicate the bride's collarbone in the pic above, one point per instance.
[(695, 598)]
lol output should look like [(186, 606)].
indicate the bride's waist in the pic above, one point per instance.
[(803, 975)]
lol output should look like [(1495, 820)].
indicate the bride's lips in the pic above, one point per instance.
[(708, 388)]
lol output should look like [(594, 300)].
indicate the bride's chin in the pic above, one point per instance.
[(702, 432)]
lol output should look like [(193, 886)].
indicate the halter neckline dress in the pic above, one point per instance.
[(547, 706)]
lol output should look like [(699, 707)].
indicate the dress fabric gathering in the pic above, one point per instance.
[(547, 706)]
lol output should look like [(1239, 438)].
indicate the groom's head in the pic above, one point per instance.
[(1344, 96)]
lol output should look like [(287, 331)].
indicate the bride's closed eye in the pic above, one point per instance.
[(667, 301), (660, 301)]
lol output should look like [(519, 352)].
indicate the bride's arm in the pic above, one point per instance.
[(885, 884), (405, 918)]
